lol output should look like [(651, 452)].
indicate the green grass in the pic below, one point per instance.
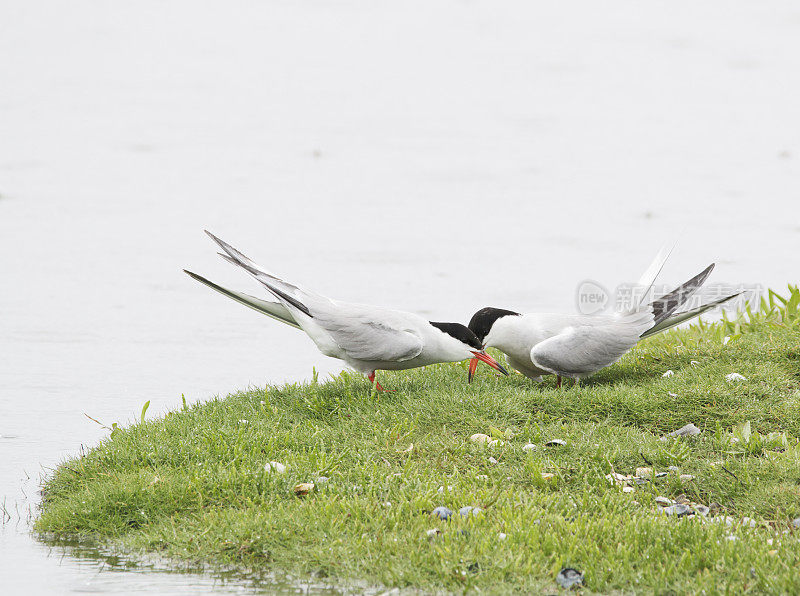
[(193, 486)]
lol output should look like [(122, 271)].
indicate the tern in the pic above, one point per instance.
[(368, 338), (579, 345)]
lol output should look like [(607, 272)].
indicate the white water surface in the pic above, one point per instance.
[(432, 156)]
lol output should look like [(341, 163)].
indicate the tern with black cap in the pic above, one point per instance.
[(579, 345), (368, 338)]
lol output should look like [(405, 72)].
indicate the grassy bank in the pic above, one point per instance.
[(193, 485)]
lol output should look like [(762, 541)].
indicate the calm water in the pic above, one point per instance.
[(436, 157)]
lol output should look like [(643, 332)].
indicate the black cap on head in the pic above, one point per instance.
[(481, 322), (460, 332)]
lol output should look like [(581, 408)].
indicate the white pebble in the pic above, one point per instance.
[(275, 466), (493, 461), (501, 536), (479, 438), (669, 373), (529, 447), (735, 377), (628, 489)]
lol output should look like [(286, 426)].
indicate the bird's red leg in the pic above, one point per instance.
[(371, 378)]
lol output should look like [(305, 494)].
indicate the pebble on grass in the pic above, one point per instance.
[(669, 373), (689, 430), (686, 477), (529, 447), (547, 476), (275, 466), (735, 378), (493, 461), (678, 510), (303, 488), (442, 513), (569, 578), (433, 532), (555, 443), (644, 472), (480, 438)]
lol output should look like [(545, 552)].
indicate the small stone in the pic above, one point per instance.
[(675, 469), (303, 488), (442, 513), (615, 478), (735, 378), (669, 373), (689, 430), (529, 447), (682, 500), (547, 476), (433, 532), (479, 438), (495, 443), (644, 472), (469, 509), (501, 536), (702, 510), (275, 466), (387, 504), (628, 489), (638, 480), (555, 443), (724, 519), (568, 578), (678, 510), (664, 501), (493, 461), (686, 477)]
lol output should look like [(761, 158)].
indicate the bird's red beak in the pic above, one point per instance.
[(484, 357)]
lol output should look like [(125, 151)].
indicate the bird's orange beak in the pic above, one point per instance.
[(483, 357)]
